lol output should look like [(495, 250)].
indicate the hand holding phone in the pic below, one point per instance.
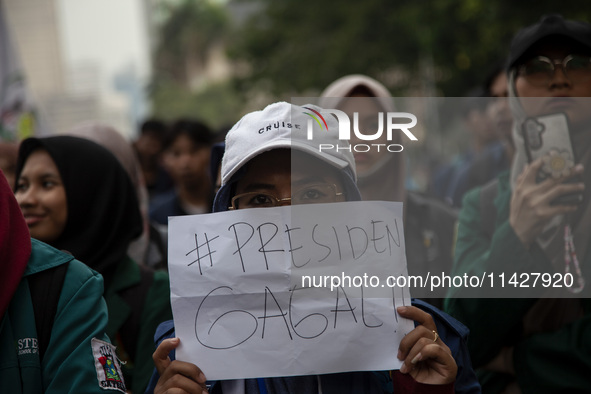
[(547, 137)]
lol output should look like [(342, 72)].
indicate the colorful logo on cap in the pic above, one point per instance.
[(315, 118)]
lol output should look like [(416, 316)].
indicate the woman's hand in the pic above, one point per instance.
[(426, 357), (530, 201), (176, 377)]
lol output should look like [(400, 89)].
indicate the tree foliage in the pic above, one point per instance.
[(298, 47), (218, 105), (189, 31), (303, 45), (187, 34)]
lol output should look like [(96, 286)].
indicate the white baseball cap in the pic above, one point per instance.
[(285, 125)]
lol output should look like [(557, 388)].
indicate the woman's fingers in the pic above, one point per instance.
[(530, 172), (160, 355), (418, 315), (561, 189), (184, 369), (426, 329), (531, 202), (410, 339), (433, 365), (176, 376), (414, 353), (425, 356), (182, 376)]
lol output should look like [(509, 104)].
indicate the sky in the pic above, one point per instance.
[(109, 33)]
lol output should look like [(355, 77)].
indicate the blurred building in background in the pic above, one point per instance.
[(83, 59), (19, 115)]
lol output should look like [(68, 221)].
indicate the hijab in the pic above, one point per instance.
[(386, 179), (103, 210), (15, 245), (111, 139)]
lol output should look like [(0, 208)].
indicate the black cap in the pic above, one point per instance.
[(549, 25)]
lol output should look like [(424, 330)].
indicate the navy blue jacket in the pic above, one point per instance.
[(450, 330)]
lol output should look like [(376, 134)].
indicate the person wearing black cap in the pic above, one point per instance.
[(533, 345)]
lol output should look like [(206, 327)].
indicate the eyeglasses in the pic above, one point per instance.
[(312, 194), (539, 71)]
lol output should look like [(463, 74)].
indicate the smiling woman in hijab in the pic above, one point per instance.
[(48, 358), (76, 196)]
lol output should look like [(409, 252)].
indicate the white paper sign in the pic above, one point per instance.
[(251, 289)]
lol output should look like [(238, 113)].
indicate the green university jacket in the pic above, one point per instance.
[(155, 308), (78, 358), (546, 362)]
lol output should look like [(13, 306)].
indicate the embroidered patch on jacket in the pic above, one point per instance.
[(108, 367)]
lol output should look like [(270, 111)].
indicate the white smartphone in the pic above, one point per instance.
[(548, 137)]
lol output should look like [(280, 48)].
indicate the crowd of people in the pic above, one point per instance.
[(85, 291)]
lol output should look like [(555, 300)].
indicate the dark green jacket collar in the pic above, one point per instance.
[(44, 256)]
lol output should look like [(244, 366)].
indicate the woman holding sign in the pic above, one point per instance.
[(258, 171)]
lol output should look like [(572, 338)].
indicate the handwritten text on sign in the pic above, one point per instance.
[(239, 305)]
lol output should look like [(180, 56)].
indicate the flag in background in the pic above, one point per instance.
[(18, 115)]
